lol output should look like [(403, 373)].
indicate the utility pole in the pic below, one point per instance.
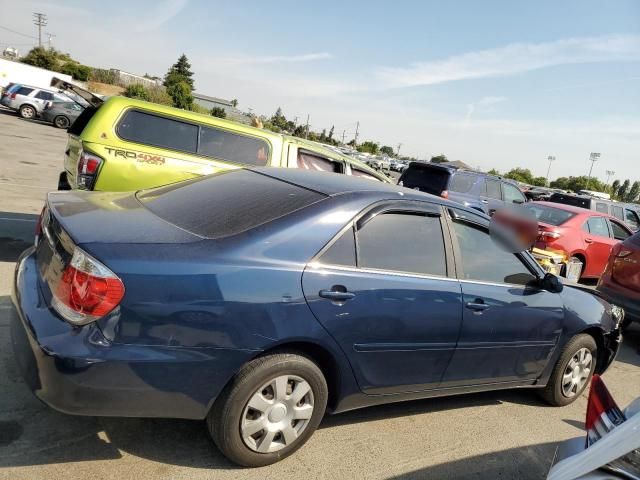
[(593, 158), (295, 121), (40, 20), (50, 35), (551, 158), (609, 173), (343, 133), (355, 140), (398, 151), (306, 133)]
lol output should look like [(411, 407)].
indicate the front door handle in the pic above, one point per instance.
[(336, 294), (478, 305), (484, 201)]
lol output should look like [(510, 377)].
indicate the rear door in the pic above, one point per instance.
[(510, 326), (392, 304), (598, 243)]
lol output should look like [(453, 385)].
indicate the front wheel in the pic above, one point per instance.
[(270, 409), (572, 372)]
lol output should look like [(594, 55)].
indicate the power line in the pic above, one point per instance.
[(18, 33)]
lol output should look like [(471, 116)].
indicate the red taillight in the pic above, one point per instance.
[(603, 414), (444, 194), (87, 290), (547, 236), (88, 166), (13, 96)]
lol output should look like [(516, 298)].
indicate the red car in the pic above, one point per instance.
[(620, 283), (584, 234)]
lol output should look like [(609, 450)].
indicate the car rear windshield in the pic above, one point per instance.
[(81, 122), (550, 215), (227, 203), (571, 200), (426, 178)]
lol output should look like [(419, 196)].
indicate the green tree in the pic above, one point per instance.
[(219, 112), (493, 171), (234, 102), (180, 93), (539, 182), (614, 188), (330, 137), (632, 196), (523, 175), (387, 150), (442, 158), (279, 120), (76, 70), (136, 91), (369, 147), (623, 190), (180, 72), (41, 57)]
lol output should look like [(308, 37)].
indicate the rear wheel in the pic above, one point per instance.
[(270, 409), (27, 111), (572, 372), (61, 121)]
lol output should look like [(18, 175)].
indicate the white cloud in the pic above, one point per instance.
[(483, 103), (514, 58), (160, 15), (306, 57)]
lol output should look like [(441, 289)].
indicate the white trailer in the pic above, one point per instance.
[(16, 72)]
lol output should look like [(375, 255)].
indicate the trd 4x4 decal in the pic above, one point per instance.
[(137, 156)]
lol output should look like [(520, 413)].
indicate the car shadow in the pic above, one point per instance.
[(630, 351), (17, 232), (521, 463)]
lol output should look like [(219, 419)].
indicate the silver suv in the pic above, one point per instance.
[(28, 101)]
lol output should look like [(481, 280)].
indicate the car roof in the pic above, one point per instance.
[(571, 208)]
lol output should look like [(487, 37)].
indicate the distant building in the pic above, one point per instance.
[(126, 78), (205, 101)]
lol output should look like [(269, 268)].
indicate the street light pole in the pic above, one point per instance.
[(551, 158), (593, 158)]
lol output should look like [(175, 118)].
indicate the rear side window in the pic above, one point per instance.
[(228, 203), (416, 242), (230, 146), (24, 91), (426, 178), (493, 189), (462, 183), (83, 119), (598, 226), (308, 161), (42, 95), (158, 131), (602, 207), (342, 252), (617, 212)]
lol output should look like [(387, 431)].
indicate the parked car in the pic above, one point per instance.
[(259, 298), (627, 212), (29, 101), (538, 193), (611, 449), (477, 190), (620, 282), (585, 235), (62, 114), (124, 144)]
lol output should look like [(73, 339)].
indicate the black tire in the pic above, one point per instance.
[(28, 112), (61, 122), (553, 392), (225, 418)]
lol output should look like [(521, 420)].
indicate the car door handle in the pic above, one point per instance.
[(588, 240), (336, 295), (477, 305), (484, 201)]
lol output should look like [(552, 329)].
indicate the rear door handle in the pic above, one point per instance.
[(588, 240), (336, 295), (478, 305)]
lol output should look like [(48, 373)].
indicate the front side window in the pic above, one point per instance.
[(619, 232), (617, 212), (309, 161), (512, 194), (602, 207), (158, 131), (484, 260), (598, 226), (232, 147), (493, 189), (631, 218), (402, 242)]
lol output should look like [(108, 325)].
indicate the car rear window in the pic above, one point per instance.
[(426, 178), (550, 215), (227, 203), (83, 119), (571, 200), (462, 183)]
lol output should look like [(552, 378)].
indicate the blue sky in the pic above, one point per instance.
[(494, 83)]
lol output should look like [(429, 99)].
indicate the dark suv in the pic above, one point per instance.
[(628, 213), (477, 190)]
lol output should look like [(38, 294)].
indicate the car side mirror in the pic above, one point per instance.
[(551, 283), (519, 201)]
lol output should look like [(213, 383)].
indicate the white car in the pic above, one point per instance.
[(611, 449)]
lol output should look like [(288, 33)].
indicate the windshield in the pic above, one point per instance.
[(550, 215)]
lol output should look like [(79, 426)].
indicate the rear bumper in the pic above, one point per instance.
[(77, 371)]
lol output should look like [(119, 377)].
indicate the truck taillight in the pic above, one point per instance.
[(88, 166), (86, 291), (13, 96)]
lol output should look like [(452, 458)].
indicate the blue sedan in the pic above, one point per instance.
[(259, 299)]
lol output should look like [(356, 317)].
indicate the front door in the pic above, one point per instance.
[(510, 326), (390, 304)]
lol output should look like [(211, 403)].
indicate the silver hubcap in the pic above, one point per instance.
[(277, 414), (576, 373)]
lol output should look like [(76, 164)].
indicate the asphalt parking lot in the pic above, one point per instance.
[(506, 435)]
